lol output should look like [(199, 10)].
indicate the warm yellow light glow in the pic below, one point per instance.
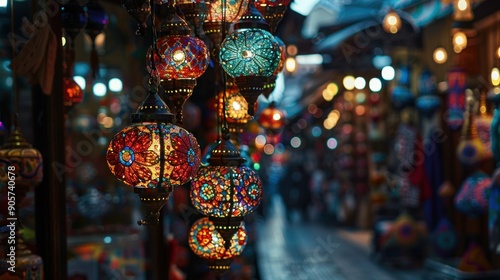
[(236, 105), (269, 149), (291, 50), (495, 77), (290, 64), (63, 39), (348, 96), (276, 117), (333, 88), (360, 83), (462, 5), (178, 56), (348, 82), (440, 56), (330, 91), (392, 22), (459, 41), (498, 52), (260, 141)]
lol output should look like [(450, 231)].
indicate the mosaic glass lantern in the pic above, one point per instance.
[(457, 82), (140, 11), (470, 149), (153, 155), (221, 13), (272, 10), (194, 12), (179, 59), (250, 55), (482, 122), (97, 21), (26, 162), (272, 119), (472, 197), (234, 108), (207, 243), (73, 19), (72, 92), (225, 190)]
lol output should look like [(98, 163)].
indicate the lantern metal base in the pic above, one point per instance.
[(251, 87), (227, 228), (195, 14), (220, 267), (213, 29), (154, 200), (269, 86), (177, 92)]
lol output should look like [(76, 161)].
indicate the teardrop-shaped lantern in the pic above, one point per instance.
[(97, 21)]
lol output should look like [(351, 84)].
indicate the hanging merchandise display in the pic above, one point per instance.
[(179, 59), (272, 119), (250, 55), (445, 239), (470, 150), (73, 20), (140, 11), (472, 197), (221, 14), (494, 213), (482, 122), (273, 11), (97, 22), (194, 12), (401, 96), (234, 108), (457, 82)]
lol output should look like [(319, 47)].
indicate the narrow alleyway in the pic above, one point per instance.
[(306, 251)]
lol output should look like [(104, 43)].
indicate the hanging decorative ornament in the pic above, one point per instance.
[(207, 243), (272, 119), (225, 190), (72, 92), (97, 22), (250, 55), (428, 102), (402, 96), (221, 13), (494, 96), (140, 11), (482, 123), (273, 11), (457, 81), (445, 238), (234, 108), (181, 58), (194, 12), (470, 150), (472, 198), (73, 19), (153, 155)]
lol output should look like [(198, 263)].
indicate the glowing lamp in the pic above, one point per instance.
[(220, 11), (20, 162), (153, 155), (462, 10), (181, 58), (207, 243), (459, 41), (225, 190), (72, 92), (234, 108), (272, 10), (272, 119), (250, 55), (392, 22)]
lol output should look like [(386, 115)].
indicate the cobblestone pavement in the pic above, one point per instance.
[(309, 251)]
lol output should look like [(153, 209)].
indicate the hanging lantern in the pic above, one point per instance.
[(472, 198), (140, 11), (272, 119), (207, 243), (180, 59), (462, 10), (250, 55), (194, 12), (457, 79), (470, 150), (234, 108), (222, 12), (428, 102), (392, 22), (459, 41), (272, 10), (72, 92), (225, 190), (482, 122), (73, 19), (97, 22), (270, 84), (153, 155)]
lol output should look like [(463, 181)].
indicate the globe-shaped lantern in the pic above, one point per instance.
[(234, 109), (472, 197), (206, 242), (272, 119), (225, 190), (140, 11), (250, 55), (73, 19), (272, 10), (72, 92), (153, 155), (221, 13), (194, 12), (97, 21), (179, 59), (20, 163)]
